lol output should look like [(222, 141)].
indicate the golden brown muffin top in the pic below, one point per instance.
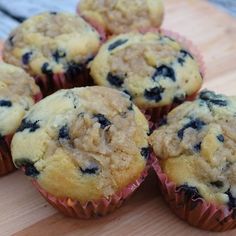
[(83, 143), (51, 43), (197, 147)]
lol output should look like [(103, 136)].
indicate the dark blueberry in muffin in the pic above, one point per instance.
[(189, 191), (64, 132), (27, 124), (102, 120), (29, 167), (212, 98), (5, 103), (58, 54), (184, 53), (221, 138), (46, 69), (197, 147), (179, 98), (115, 80), (117, 44), (154, 93), (232, 199), (164, 71), (145, 152), (218, 184), (92, 169), (30, 170), (194, 124), (181, 61), (26, 58)]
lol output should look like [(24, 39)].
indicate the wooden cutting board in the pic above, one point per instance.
[(24, 212)]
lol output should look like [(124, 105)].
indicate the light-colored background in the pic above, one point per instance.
[(11, 10)]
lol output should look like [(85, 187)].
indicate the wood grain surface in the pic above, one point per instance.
[(24, 212)]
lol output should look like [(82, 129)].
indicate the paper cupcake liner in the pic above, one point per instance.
[(6, 164), (48, 85), (159, 112), (155, 115), (91, 209), (195, 211), (96, 25)]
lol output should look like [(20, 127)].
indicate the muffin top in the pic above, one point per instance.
[(152, 68), (17, 91), (197, 147), (51, 43), (83, 143), (120, 16)]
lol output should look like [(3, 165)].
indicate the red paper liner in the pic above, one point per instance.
[(6, 164), (101, 30), (195, 211), (52, 83), (158, 113), (155, 115), (91, 209)]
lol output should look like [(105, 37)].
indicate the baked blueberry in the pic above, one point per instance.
[(58, 54), (64, 132), (179, 98), (196, 124), (116, 44), (26, 58), (92, 169), (102, 120), (154, 93), (197, 147), (232, 199), (164, 71), (145, 152), (5, 103), (221, 138), (46, 69), (212, 98), (32, 126), (189, 191), (115, 80)]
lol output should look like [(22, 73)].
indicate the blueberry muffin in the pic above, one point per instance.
[(120, 16), (81, 149), (55, 48), (18, 93), (152, 68), (196, 147)]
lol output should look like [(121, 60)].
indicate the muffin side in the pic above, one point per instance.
[(121, 16), (80, 149)]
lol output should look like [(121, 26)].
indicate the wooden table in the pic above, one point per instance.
[(24, 211)]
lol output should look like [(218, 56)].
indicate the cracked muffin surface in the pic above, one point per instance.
[(152, 68), (83, 143), (17, 91), (196, 146), (120, 16), (52, 43)]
